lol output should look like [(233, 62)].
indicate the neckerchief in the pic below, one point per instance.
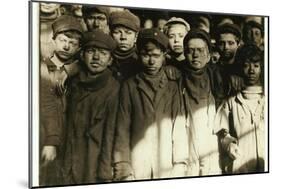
[(197, 83)]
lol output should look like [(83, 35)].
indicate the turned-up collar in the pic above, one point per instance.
[(93, 83)]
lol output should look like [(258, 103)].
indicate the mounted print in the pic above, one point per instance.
[(122, 94)]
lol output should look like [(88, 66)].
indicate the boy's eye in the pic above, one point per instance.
[(90, 51)]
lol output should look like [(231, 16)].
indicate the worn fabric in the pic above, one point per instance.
[(91, 116), (151, 134), (244, 122), (125, 64), (52, 120), (203, 144)]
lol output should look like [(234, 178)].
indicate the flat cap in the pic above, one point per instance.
[(153, 35), (198, 33), (87, 10), (66, 23), (176, 20), (228, 28), (98, 38), (125, 18), (253, 24)]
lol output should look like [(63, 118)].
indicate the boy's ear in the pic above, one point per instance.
[(136, 37), (110, 61)]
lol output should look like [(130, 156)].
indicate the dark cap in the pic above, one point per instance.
[(253, 24), (198, 33), (153, 35), (125, 18), (87, 10), (228, 28), (66, 23), (98, 38)]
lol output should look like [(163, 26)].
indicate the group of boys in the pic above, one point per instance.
[(118, 102)]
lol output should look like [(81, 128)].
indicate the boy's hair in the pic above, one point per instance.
[(251, 53), (73, 34)]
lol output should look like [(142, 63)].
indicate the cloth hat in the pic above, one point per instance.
[(125, 18), (66, 23), (98, 38), (175, 20), (198, 33), (253, 24), (86, 10), (229, 28), (152, 34)]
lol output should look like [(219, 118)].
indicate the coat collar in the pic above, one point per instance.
[(88, 84), (143, 86), (94, 83)]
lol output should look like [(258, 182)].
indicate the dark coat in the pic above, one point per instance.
[(90, 129), (146, 125), (52, 121), (125, 66)]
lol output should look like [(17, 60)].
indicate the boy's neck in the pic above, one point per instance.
[(252, 92)]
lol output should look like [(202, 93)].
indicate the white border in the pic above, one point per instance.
[(35, 94)]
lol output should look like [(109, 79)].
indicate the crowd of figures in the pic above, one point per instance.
[(131, 95)]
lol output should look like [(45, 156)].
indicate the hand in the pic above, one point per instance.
[(233, 151), (122, 171), (49, 153)]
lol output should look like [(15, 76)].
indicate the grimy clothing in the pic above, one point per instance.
[(52, 115), (151, 134), (91, 113), (200, 110)]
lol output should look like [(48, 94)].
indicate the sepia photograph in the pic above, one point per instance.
[(125, 94)]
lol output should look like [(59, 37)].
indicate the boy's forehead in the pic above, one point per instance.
[(122, 27), (73, 36), (94, 14), (150, 45)]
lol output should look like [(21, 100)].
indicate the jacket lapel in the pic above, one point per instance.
[(145, 90)]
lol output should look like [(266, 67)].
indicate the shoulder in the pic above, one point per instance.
[(172, 72)]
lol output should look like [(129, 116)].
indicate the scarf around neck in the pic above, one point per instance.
[(119, 55), (93, 82), (197, 83), (154, 81)]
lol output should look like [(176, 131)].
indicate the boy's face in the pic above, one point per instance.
[(96, 20), (227, 45), (197, 53), (255, 35), (252, 73), (65, 47), (97, 59), (152, 58), (176, 34), (124, 37), (48, 7)]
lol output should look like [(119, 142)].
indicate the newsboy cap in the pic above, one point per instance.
[(125, 18), (228, 28), (98, 38), (176, 20), (66, 23), (87, 10), (154, 35), (198, 33)]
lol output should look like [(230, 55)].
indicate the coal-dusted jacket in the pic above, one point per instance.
[(90, 129), (151, 131)]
